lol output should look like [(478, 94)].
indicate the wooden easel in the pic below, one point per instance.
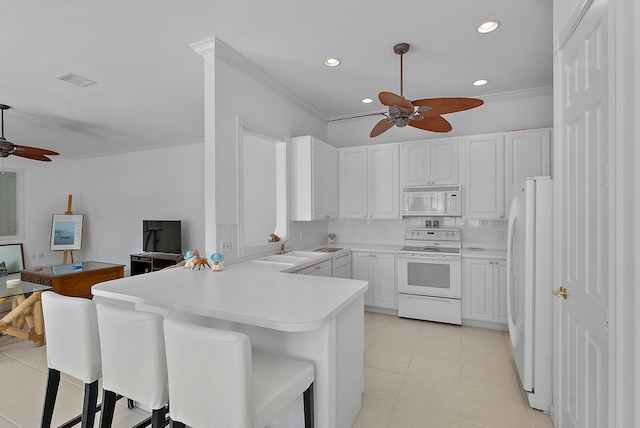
[(68, 212)]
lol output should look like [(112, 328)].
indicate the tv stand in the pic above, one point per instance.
[(151, 262)]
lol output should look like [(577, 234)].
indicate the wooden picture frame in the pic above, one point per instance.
[(66, 232)]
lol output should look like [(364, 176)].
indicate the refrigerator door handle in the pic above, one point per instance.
[(510, 231)]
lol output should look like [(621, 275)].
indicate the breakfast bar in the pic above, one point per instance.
[(317, 319)]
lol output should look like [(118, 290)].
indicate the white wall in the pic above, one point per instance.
[(117, 192), (47, 186)]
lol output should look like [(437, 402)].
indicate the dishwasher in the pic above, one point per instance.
[(341, 266)]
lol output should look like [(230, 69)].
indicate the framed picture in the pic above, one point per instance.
[(12, 257), (66, 232)]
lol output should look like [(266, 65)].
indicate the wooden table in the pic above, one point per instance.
[(73, 279), (24, 310)]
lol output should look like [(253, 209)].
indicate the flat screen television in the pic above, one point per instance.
[(162, 236)]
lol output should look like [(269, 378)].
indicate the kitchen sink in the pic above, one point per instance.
[(307, 254), (282, 259)]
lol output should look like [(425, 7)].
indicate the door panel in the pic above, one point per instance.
[(584, 223)]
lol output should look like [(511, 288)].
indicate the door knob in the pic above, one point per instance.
[(561, 292)]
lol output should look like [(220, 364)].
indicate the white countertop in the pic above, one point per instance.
[(249, 293)]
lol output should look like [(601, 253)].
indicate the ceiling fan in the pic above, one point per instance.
[(423, 114), (7, 148)]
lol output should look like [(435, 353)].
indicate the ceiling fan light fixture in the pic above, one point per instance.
[(488, 27), (332, 62), (480, 82)]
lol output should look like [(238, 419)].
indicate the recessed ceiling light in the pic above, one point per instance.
[(488, 27), (331, 62), (367, 100), (480, 82)]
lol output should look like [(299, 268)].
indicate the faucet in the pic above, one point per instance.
[(282, 251)]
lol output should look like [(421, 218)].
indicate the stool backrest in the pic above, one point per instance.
[(73, 344), (210, 376), (133, 360)]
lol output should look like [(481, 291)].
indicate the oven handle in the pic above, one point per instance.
[(412, 256), (435, 299)]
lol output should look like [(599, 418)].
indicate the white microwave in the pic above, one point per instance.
[(432, 201)]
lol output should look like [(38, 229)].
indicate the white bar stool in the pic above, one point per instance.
[(133, 361), (217, 380), (73, 348)]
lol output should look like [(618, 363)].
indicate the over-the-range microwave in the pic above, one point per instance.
[(432, 201)]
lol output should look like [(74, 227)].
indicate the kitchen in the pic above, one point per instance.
[(94, 180)]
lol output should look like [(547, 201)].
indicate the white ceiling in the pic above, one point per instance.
[(150, 82)]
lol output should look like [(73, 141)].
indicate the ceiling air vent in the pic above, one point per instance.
[(74, 79)]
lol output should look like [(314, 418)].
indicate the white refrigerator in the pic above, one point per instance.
[(529, 286)]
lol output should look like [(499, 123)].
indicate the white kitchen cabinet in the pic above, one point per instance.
[(314, 179), (341, 266), (319, 269), (379, 269), (483, 176), (527, 154), (369, 182), (484, 295), (428, 163)]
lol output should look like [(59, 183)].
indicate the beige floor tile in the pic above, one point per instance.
[(409, 417), (432, 396), (495, 381), (375, 413), (382, 384), (397, 342), (446, 348), (540, 419), (493, 411), (404, 327), (444, 370), (6, 424), (387, 359)]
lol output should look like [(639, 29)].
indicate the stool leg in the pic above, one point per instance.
[(176, 424), (89, 404), (158, 417), (108, 407), (309, 407), (53, 380)]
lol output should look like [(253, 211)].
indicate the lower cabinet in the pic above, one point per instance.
[(379, 269), (484, 289), (319, 269)]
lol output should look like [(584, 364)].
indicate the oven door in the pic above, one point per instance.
[(429, 275)]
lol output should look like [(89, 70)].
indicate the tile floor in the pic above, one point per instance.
[(422, 374), (417, 374)]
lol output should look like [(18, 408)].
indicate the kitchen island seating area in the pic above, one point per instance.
[(216, 379)]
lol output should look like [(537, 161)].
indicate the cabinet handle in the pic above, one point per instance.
[(491, 262), (317, 267), (497, 262), (327, 216)]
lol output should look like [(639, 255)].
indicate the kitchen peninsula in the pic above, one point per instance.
[(317, 319)]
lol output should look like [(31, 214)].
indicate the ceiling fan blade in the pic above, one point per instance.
[(34, 156), (355, 117), (390, 99), (439, 106), (381, 127), (433, 124), (22, 150)]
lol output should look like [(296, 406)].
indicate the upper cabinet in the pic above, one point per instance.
[(483, 171), (430, 163), (314, 179), (369, 184), (527, 154)]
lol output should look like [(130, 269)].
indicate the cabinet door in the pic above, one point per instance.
[(500, 291), (444, 161), (484, 177), (320, 269), (384, 181), (478, 289), (352, 171), (383, 275), (319, 177), (331, 182), (416, 163), (360, 269), (527, 154)]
